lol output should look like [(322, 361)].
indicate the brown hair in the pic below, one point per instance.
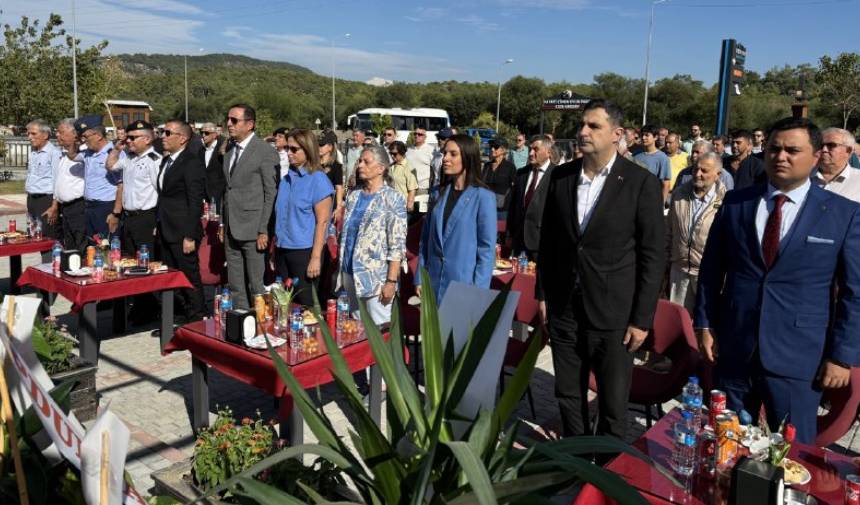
[(309, 144)]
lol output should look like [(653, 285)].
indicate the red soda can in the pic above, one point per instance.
[(217, 309), (717, 405), (852, 490), (708, 452), (331, 314), (13, 225)]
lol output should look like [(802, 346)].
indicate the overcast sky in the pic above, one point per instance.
[(468, 40)]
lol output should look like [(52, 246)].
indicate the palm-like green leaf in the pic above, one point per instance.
[(431, 343), (519, 383), (263, 493), (524, 485), (475, 472)]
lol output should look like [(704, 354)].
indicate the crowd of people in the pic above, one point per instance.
[(754, 234)]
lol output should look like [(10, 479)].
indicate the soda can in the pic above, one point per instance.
[(217, 309), (13, 225), (852, 490), (260, 308), (717, 405), (727, 444), (91, 256), (708, 452)]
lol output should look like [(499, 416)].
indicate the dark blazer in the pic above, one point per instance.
[(750, 173), (618, 261), (180, 198), (524, 225), (215, 180), (784, 313)]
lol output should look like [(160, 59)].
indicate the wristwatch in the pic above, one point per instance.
[(389, 281), (117, 214)]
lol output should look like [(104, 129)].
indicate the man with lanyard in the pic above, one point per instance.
[(139, 175), (41, 172), (102, 189)]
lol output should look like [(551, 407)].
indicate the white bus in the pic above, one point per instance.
[(404, 120)]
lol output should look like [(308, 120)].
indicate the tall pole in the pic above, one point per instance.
[(499, 97), (333, 102), (74, 59), (186, 88), (648, 62)]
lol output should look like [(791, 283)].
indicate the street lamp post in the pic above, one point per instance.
[(333, 102), (499, 98), (648, 61), (74, 59), (186, 88)]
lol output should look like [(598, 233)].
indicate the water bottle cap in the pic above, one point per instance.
[(694, 379), (686, 414)]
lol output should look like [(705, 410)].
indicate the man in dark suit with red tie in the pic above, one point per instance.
[(765, 311), (525, 209), (601, 262)]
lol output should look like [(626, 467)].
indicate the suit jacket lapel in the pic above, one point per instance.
[(572, 182), (607, 195), (812, 212), (458, 210), (438, 223), (750, 209)]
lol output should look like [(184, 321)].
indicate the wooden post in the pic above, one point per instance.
[(104, 473), (6, 411)]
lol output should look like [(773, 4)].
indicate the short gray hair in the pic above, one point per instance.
[(42, 125), (709, 147), (379, 153), (68, 122), (712, 156), (545, 140), (847, 138)]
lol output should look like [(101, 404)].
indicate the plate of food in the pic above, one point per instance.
[(259, 341), (795, 473), (136, 271), (81, 272), (128, 262), (503, 264), (308, 318)]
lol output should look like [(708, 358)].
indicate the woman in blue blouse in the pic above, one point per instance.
[(373, 241), (458, 239), (302, 212)]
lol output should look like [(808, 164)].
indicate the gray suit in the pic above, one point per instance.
[(249, 199)]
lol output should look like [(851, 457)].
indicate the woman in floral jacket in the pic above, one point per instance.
[(373, 241)]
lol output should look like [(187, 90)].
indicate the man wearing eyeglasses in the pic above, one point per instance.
[(213, 160), (102, 188), (420, 156), (252, 168), (519, 155), (833, 172), (389, 135), (139, 195)]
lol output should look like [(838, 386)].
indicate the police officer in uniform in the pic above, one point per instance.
[(139, 193), (102, 187)]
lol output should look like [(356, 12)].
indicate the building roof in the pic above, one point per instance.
[(128, 103)]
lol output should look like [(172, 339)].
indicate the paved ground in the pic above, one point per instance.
[(152, 393)]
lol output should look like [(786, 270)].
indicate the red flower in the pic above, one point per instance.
[(289, 283), (790, 433)]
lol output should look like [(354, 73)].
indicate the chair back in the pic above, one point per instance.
[(211, 256), (844, 403), (671, 323)]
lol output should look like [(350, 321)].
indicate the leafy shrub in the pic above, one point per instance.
[(51, 347)]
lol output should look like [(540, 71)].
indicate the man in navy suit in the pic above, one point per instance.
[(765, 312)]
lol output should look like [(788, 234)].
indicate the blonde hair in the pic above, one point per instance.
[(309, 144)]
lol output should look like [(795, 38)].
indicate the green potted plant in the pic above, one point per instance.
[(430, 453), (54, 351)]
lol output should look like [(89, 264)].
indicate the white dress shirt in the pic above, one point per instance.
[(209, 151), (172, 161), (243, 145), (846, 184), (541, 173), (69, 184), (588, 192), (138, 180), (790, 208), (285, 162)]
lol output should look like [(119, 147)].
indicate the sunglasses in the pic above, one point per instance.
[(134, 137), (235, 120), (389, 134), (831, 146), (167, 133), (393, 153), (420, 134), (294, 149)]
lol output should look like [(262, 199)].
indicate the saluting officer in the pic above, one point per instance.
[(139, 193)]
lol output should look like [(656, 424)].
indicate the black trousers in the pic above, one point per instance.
[(578, 348), (36, 206), (292, 264), (96, 217), (74, 224), (190, 299), (138, 228)]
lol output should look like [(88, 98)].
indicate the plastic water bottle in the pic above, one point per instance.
[(115, 253), (143, 257), (279, 281), (56, 257), (297, 329), (691, 399), (213, 210), (226, 306), (684, 451), (38, 233), (99, 267), (523, 262), (342, 312)]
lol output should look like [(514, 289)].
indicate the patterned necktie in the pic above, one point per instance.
[(532, 186), (770, 239)]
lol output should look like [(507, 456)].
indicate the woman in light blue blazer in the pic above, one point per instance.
[(458, 239)]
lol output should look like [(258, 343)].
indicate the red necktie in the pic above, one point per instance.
[(532, 186), (770, 239)]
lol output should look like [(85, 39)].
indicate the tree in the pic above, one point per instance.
[(839, 83), (521, 101), (34, 66)]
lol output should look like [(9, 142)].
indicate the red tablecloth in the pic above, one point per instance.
[(527, 307), (254, 367), (212, 257), (27, 247), (828, 470), (82, 290)]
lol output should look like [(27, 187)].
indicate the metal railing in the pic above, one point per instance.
[(16, 152)]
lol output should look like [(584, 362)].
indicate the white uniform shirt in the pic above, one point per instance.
[(69, 183), (139, 175)]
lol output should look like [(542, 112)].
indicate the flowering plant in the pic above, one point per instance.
[(780, 441)]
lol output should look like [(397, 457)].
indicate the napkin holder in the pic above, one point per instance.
[(241, 324), (756, 483), (70, 260)]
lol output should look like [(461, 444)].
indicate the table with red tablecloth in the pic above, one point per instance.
[(84, 293), (212, 257), (15, 250), (205, 341), (828, 470)]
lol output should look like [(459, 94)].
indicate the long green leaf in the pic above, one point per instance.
[(610, 483), (265, 494), (427, 465), (509, 489), (519, 382), (472, 466), (29, 424), (431, 342), (479, 435), (319, 499), (339, 365)]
